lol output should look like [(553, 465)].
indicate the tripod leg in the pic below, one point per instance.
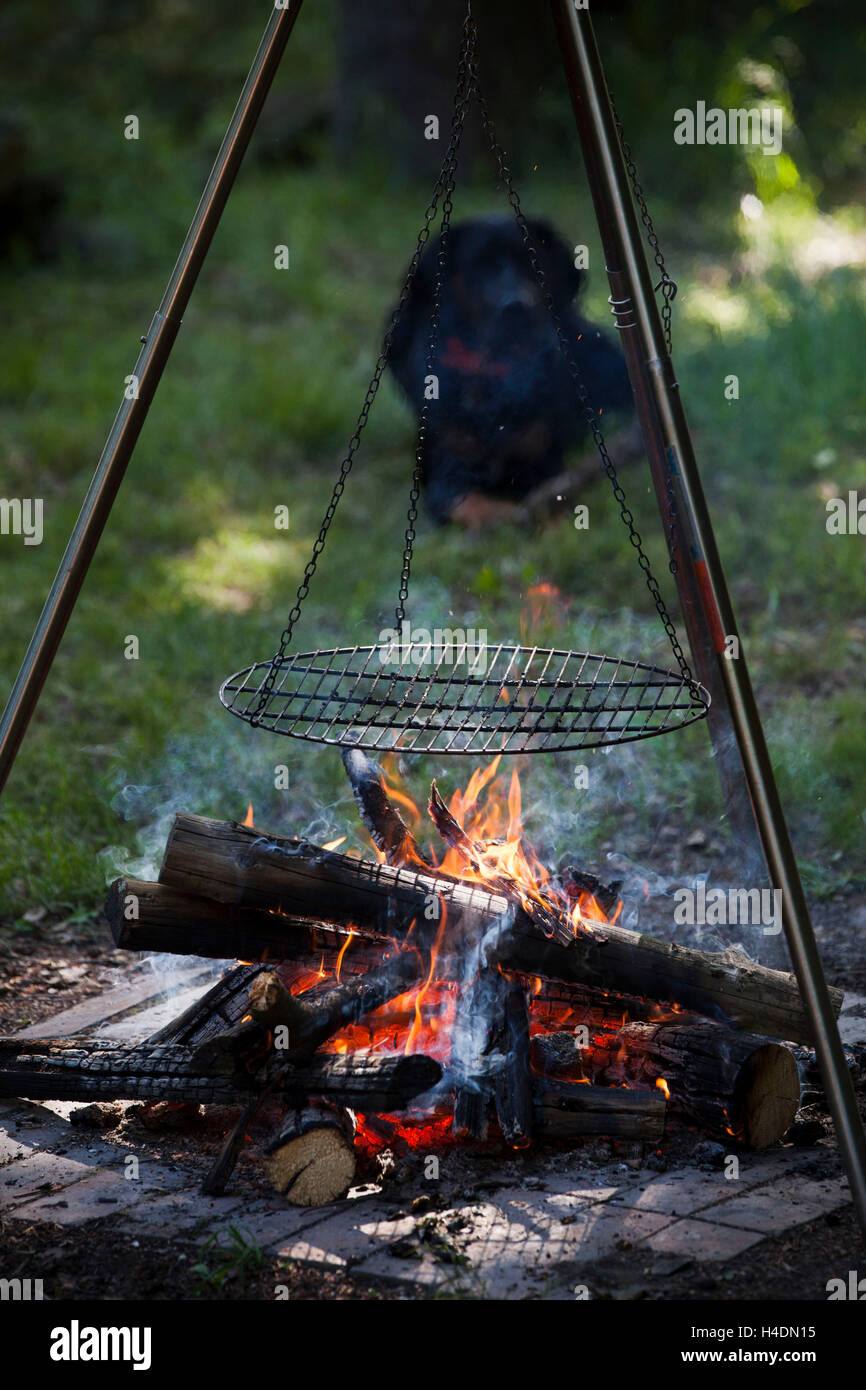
[(134, 407), (619, 229)]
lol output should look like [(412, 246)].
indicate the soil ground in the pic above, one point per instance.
[(59, 964)]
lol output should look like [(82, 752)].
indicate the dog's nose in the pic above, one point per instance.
[(518, 296), (517, 316)]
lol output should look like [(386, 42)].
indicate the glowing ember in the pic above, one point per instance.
[(492, 851)]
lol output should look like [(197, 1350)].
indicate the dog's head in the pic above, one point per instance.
[(489, 273)]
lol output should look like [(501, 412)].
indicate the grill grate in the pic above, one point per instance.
[(499, 699)]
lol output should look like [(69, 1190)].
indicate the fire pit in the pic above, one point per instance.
[(396, 1001)]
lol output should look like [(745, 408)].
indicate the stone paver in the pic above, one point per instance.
[(514, 1241), (22, 1179), (103, 1192), (275, 1225), (184, 1211), (780, 1206), (701, 1240)]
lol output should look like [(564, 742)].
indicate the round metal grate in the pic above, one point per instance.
[(463, 699)]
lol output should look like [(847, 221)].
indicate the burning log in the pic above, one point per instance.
[(388, 830), (240, 868), (314, 1017), (491, 1047), (312, 1159), (512, 1085), (546, 919), (234, 865), (570, 1110), (729, 1083), (219, 1008), (147, 917), (40, 1069)]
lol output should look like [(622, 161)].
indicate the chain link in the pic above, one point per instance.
[(461, 102), (448, 176), (467, 87), (580, 388)]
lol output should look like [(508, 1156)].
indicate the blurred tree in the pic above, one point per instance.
[(397, 64)]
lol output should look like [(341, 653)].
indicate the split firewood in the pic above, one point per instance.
[(236, 866), (732, 1084), (219, 1008), (479, 1017), (490, 1052), (88, 1070), (312, 1159), (570, 1110), (550, 922), (388, 830), (312, 1018), (512, 1084)]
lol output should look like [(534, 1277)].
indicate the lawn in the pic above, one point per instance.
[(258, 401)]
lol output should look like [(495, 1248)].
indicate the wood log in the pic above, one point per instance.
[(471, 1106), (388, 830), (219, 1008), (235, 866), (479, 1021), (88, 1070), (147, 917), (571, 1110), (314, 1017), (549, 922), (94, 1069), (512, 1083), (734, 1085), (312, 1158)]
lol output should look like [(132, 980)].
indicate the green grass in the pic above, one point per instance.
[(259, 398)]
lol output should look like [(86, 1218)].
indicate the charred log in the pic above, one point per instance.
[(567, 1111), (312, 1018), (47, 1070), (512, 1087), (238, 867), (218, 1009), (730, 1083), (312, 1158), (148, 916), (388, 830)]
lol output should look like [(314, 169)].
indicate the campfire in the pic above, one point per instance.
[(420, 999)]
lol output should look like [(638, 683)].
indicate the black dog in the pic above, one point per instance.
[(506, 410)]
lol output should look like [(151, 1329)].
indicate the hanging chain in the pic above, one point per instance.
[(467, 87), (448, 176), (444, 182), (667, 286), (580, 388)]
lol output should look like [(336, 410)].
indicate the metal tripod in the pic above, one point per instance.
[(744, 765)]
